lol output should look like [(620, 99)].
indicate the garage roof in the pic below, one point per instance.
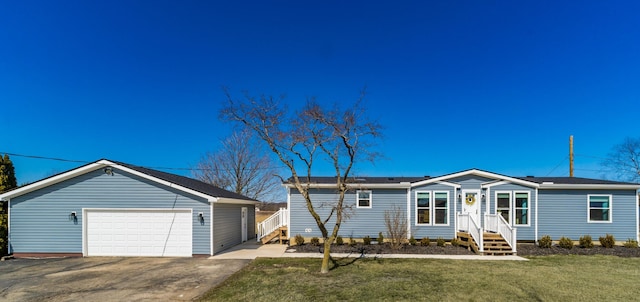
[(186, 184)]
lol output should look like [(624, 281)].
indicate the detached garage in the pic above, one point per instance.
[(109, 208)]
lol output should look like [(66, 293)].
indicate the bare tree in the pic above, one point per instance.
[(300, 139), (241, 167), (624, 160), (396, 223)]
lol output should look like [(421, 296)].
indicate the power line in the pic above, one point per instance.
[(155, 168), (556, 167)]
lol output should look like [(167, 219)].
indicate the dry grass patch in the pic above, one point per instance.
[(549, 278)]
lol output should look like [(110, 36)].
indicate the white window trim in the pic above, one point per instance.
[(512, 206), (495, 203), (513, 215), (358, 199), (432, 208), (415, 202), (589, 208)]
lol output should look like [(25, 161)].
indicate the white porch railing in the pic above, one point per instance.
[(496, 223), (466, 223), (274, 222)]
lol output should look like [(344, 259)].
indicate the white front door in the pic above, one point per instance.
[(471, 204), (244, 224)]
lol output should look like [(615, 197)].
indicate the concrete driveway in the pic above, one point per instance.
[(112, 278)]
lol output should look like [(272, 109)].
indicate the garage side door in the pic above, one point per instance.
[(126, 232)]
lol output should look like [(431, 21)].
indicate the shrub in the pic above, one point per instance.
[(608, 241), (425, 241), (455, 242), (545, 242), (352, 241), (440, 241), (631, 243), (315, 241), (412, 240), (565, 243), (396, 223), (339, 240), (366, 240), (380, 238), (586, 242), (299, 239)]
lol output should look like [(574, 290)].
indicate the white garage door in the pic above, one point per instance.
[(126, 232)]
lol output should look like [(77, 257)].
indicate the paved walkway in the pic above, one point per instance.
[(252, 250)]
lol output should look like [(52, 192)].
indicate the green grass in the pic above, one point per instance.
[(549, 278)]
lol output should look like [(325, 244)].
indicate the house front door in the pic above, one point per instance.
[(471, 204)]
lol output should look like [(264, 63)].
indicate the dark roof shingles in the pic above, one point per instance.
[(187, 182)]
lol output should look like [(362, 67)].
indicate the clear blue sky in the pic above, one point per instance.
[(495, 85)]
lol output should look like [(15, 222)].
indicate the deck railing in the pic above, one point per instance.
[(497, 224), (466, 223), (272, 223)]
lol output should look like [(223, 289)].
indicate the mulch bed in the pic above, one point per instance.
[(524, 249)]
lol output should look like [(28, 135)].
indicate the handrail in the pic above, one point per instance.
[(272, 223), (467, 223), (497, 224)]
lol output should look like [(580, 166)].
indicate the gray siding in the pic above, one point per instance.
[(227, 223), (434, 231), (362, 222), (524, 232), (564, 213), (40, 220)]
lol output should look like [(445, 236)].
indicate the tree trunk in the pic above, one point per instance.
[(326, 258)]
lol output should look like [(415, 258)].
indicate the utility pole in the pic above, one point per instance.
[(571, 156)]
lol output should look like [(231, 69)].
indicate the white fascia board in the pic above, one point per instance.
[(52, 180), (451, 184), (478, 173), (590, 186), (401, 185), (236, 201)]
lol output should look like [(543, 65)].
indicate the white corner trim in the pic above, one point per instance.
[(408, 213), (536, 218), (210, 228)]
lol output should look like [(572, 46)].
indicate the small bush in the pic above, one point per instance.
[(339, 240), (545, 242), (299, 239), (608, 241), (455, 242), (631, 243), (440, 241), (366, 240), (586, 242), (315, 241), (380, 238), (565, 243), (352, 241), (412, 240), (425, 241)]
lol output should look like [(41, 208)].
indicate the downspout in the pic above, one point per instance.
[(409, 213), (536, 218)]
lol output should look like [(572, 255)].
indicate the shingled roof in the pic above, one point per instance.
[(572, 180), (363, 179), (186, 182)]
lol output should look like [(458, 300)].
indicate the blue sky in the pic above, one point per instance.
[(495, 85)]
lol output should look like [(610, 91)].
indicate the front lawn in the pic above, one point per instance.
[(548, 278)]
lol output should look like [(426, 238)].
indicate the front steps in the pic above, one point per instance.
[(494, 244), (280, 234)]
